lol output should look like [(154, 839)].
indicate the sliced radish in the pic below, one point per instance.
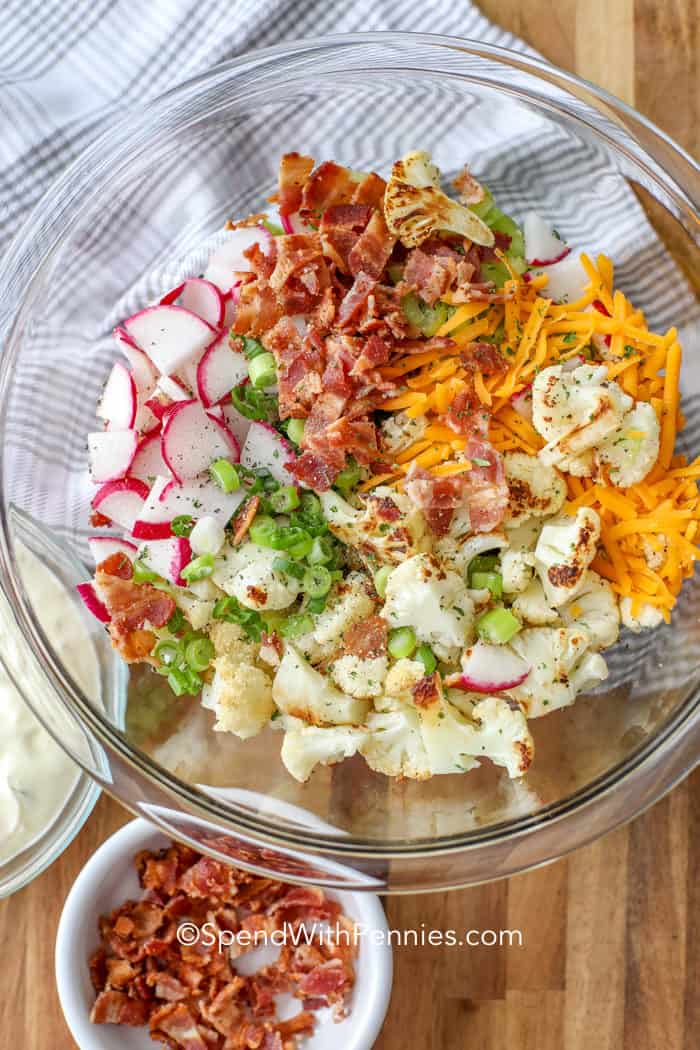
[(123, 338), (119, 400), (192, 439), (145, 377), (567, 280), (266, 449), (102, 547), (121, 501), (148, 463), (111, 453), (195, 499), (238, 424), (542, 246), (229, 259), (231, 299), (220, 369), (201, 297), (170, 335), (490, 669), (97, 607), (293, 223), (522, 402), (167, 557)]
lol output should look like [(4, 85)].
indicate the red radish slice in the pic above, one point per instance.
[(196, 499), (266, 449), (119, 400), (522, 402), (229, 259), (192, 439), (599, 337), (220, 369), (97, 607), (231, 304), (145, 377), (123, 338), (148, 463), (542, 246), (102, 547), (121, 501), (111, 453), (238, 424), (567, 280), (490, 669), (293, 223), (170, 335), (201, 297), (167, 557)]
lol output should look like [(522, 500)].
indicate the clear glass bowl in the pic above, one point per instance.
[(126, 222)]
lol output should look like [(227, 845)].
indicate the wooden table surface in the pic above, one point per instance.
[(611, 953)]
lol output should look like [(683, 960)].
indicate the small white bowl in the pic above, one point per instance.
[(109, 878)]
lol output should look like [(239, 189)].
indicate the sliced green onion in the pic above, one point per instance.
[(168, 652), (182, 525), (317, 581), (427, 657), (289, 567), (230, 610), (251, 347), (253, 403), (176, 622), (295, 430), (348, 477), (322, 550), (262, 370), (199, 568), (199, 654), (317, 605), (302, 548), (492, 581), (402, 642), (285, 499), (483, 563), (142, 574), (380, 579), (295, 626), (497, 626), (264, 531), (311, 505), (184, 681), (291, 538), (225, 475)]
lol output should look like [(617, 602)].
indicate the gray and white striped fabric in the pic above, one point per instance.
[(69, 66)]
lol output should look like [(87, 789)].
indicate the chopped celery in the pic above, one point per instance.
[(492, 581), (402, 642), (497, 626), (427, 319)]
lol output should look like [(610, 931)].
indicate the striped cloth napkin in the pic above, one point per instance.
[(68, 66)]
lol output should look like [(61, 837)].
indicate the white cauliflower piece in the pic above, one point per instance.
[(594, 609), (458, 553), (575, 411), (398, 431), (402, 677), (306, 747), (415, 207), (565, 549), (361, 678), (524, 537), (394, 745), (517, 567), (645, 619), (299, 690), (240, 694), (534, 489), (387, 525), (554, 654), (532, 607), (633, 448), (493, 730), (198, 612), (247, 573), (433, 601)]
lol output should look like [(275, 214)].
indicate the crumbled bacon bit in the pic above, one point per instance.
[(245, 519), (294, 171), (98, 521), (131, 607), (190, 996), (485, 358), (427, 690)]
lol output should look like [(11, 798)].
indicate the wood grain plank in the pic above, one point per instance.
[(605, 45), (537, 907)]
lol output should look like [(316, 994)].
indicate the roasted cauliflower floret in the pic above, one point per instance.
[(632, 449), (415, 207), (359, 677), (394, 745), (645, 619), (560, 668), (398, 431), (534, 489), (240, 695), (308, 746), (575, 411), (401, 678), (458, 553), (248, 575), (197, 611), (231, 640), (305, 693), (517, 567), (432, 600), (532, 607), (594, 609), (386, 526), (348, 603), (564, 551)]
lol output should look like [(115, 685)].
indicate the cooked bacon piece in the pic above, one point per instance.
[(367, 638), (382, 314), (427, 690), (318, 471), (376, 351), (114, 1007), (131, 606), (484, 292), (300, 276), (355, 437), (118, 973), (166, 986), (245, 518), (486, 486), (294, 172), (225, 1011), (341, 225), (250, 220), (470, 191), (178, 1026), (467, 415), (258, 309), (117, 565), (430, 274), (301, 1022), (299, 366), (325, 980), (324, 312), (158, 873), (438, 498), (421, 346), (98, 520), (370, 191), (485, 358), (355, 299), (373, 248), (207, 878), (262, 263), (329, 184)]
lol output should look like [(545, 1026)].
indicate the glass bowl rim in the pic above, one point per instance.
[(235, 818)]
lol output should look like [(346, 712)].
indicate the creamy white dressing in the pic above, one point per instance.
[(36, 776)]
